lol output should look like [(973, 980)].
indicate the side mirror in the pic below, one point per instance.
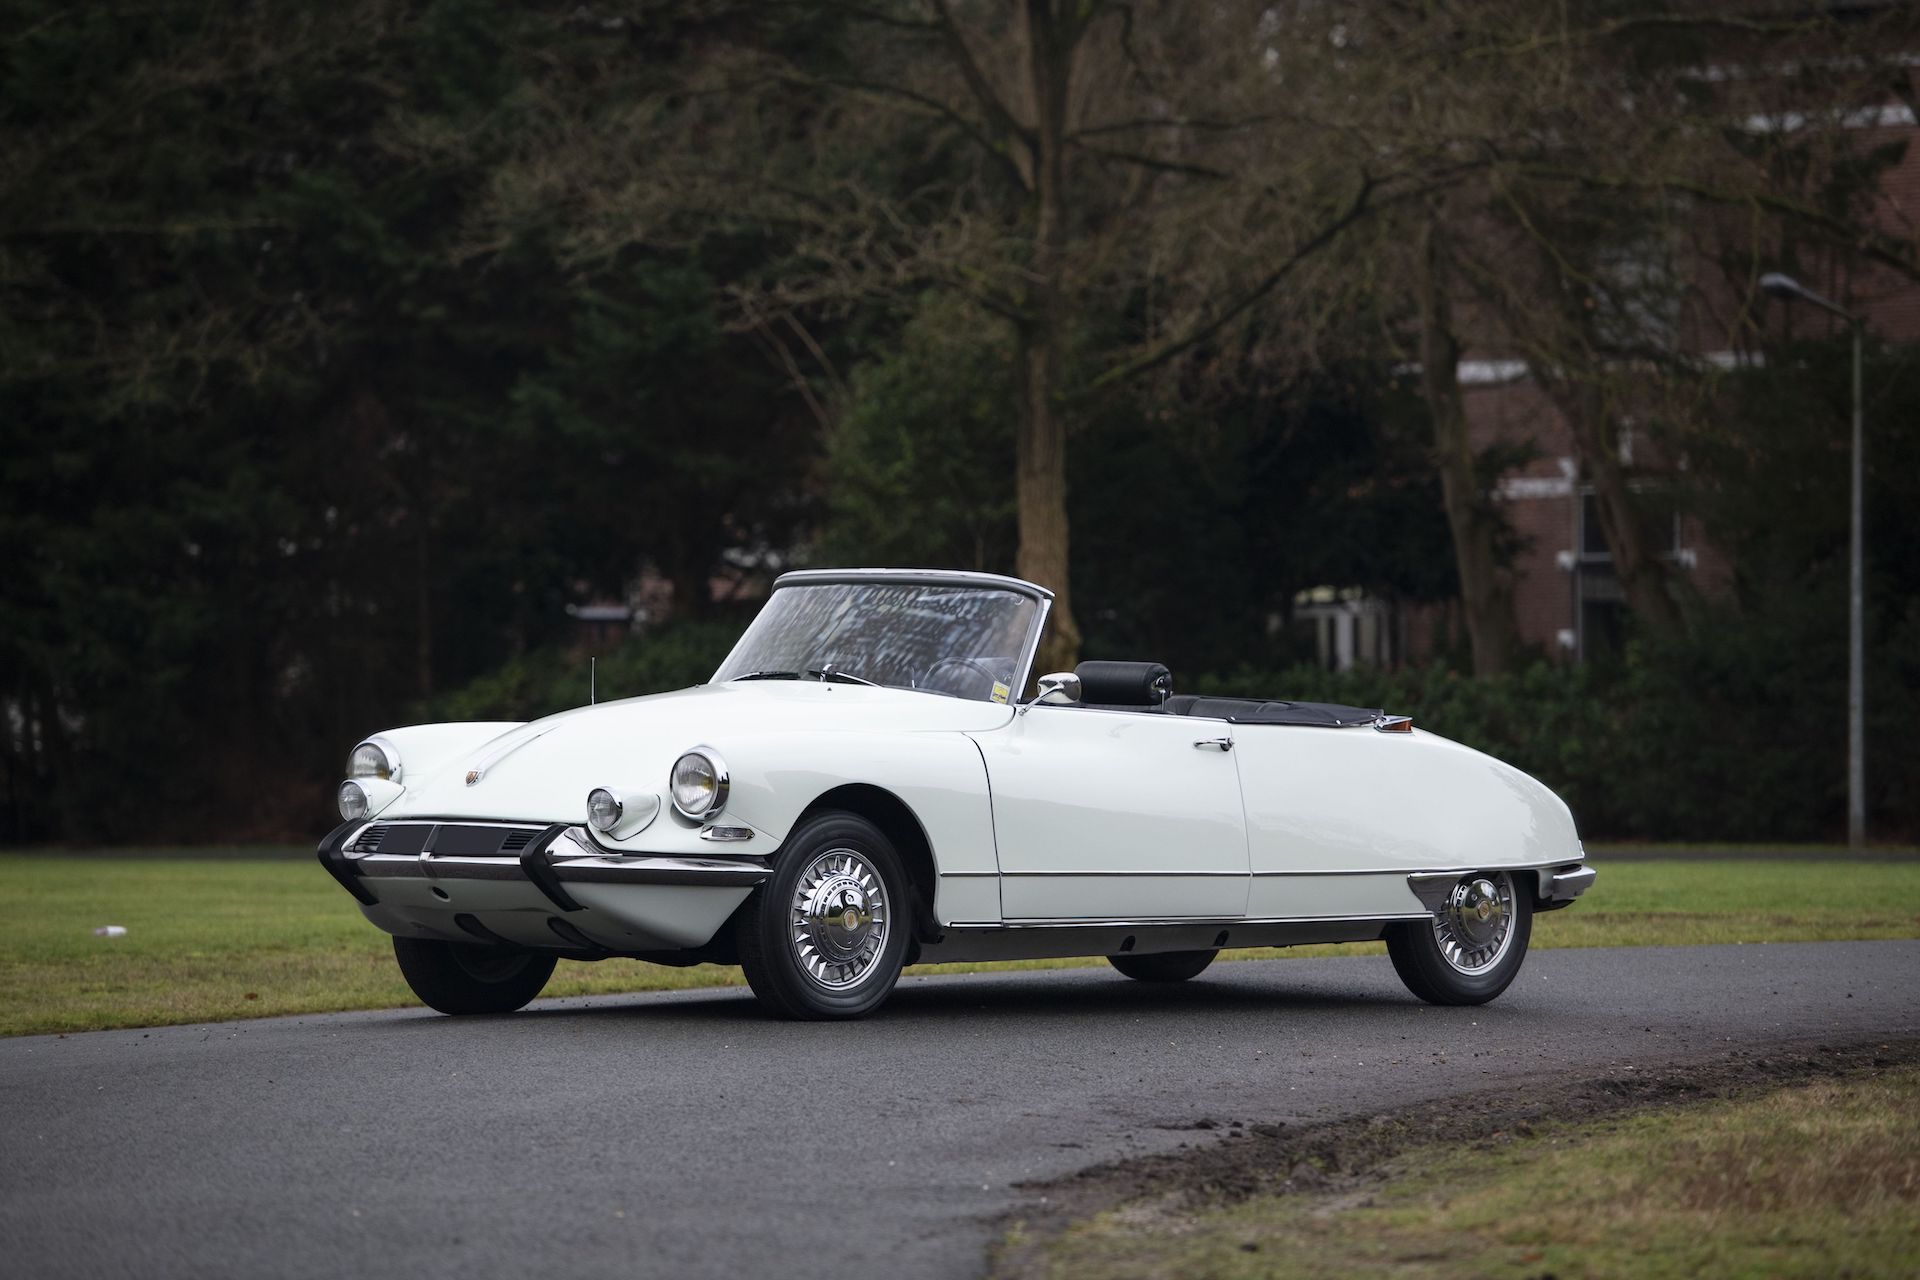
[(1061, 689)]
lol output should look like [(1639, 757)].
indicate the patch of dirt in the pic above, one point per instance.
[(1346, 1157)]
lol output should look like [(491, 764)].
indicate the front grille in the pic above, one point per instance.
[(451, 839)]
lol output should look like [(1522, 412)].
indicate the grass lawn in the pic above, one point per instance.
[(235, 937), (1821, 1179)]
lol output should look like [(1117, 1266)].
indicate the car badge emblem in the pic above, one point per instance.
[(473, 776)]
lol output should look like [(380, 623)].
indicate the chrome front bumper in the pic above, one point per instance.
[(548, 886)]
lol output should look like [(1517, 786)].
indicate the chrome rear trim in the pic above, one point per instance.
[(1565, 886)]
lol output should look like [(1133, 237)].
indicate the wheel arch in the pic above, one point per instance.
[(898, 822)]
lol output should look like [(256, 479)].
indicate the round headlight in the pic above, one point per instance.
[(353, 801), (698, 784), (603, 809), (374, 758)]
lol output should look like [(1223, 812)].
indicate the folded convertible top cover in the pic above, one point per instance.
[(1257, 711)]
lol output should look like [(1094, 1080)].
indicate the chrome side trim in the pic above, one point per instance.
[(1163, 875), (1170, 875), (1353, 871), (1147, 922)]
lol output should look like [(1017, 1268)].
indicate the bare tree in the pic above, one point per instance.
[(1069, 166), (1589, 242), (1134, 188)]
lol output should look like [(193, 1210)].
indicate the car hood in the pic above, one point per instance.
[(541, 771)]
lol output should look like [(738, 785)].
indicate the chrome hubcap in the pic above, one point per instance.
[(839, 919), (1475, 924)]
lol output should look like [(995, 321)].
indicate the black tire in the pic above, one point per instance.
[(800, 959), (1165, 966), (1422, 959), (461, 978)]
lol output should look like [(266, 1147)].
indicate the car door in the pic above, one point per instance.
[(1116, 815)]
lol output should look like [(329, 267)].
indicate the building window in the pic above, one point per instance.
[(1599, 605), (1347, 627)]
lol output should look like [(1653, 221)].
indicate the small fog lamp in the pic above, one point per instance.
[(603, 809), (353, 801)]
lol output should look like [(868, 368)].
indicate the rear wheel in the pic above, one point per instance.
[(1166, 966), (1471, 948), (459, 977), (826, 936)]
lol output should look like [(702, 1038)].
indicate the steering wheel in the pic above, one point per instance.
[(926, 677)]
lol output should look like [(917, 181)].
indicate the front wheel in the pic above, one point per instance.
[(1165, 966), (1471, 948), (460, 977), (826, 935)]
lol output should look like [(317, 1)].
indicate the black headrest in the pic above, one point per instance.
[(1124, 684)]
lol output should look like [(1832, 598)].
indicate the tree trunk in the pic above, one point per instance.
[(1486, 594), (1040, 451), (423, 602), (1040, 489)]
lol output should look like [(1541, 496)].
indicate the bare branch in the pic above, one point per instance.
[(1174, 122), (1354, 210), (859, 13), (1002, 119), (932, 106), (1883, 249), (1155, 163), (1641, 22)]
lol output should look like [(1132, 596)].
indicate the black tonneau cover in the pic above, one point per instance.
[(1329, 715)]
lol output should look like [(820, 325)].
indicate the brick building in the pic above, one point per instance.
[(1567, 601)]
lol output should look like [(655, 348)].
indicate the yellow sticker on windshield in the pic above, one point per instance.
[(1000, 691)]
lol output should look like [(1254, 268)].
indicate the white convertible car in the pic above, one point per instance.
[(862, 787)]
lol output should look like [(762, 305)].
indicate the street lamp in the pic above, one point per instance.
[(1787, 289)]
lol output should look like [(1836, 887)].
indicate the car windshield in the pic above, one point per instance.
[(966, 641)]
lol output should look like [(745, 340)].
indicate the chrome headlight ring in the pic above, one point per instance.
[(375, 757), (697, 784)]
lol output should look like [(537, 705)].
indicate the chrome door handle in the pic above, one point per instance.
[(1218, 744)]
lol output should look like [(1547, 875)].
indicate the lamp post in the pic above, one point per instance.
[(1787, 289)]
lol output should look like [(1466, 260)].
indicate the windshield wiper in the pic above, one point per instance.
[(845, 677), (822, 674)]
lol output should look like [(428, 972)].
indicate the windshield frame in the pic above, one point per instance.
[(1042, 598)]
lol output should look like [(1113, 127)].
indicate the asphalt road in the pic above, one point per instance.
[(684, 1135)]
